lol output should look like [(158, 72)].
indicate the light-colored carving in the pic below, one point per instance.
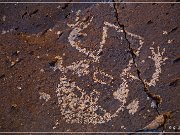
[(75, 104), (79, 108), (141, 41), (159, 61), (44, 96), (101, 81), (80, 67), (133, 106)]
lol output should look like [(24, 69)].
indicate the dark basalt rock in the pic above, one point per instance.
[(140, 55)]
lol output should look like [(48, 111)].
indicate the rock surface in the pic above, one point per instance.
[(88, 67)]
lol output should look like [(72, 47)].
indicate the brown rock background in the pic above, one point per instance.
[(32, 35)]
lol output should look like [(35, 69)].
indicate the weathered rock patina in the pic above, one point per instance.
[(89, 67)]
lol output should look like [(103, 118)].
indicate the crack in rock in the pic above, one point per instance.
[(153, 96), (156, 99)]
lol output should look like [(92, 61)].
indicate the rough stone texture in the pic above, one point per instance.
[(45, 71), (151, 26)]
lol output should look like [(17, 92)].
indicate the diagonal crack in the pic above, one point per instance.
[(155, 98)]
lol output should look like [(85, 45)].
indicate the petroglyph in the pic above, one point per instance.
[(80, 26), (79, 108), (126, 72), (104, 36), (159, 61), (88, 67), (113, 26), (44, 96), (80, 67), (140, 40), (133, 106), (106, 78), (77, 15), (122, 92), (76, 105), (77, 28)]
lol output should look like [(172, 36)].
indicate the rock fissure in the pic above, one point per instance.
[(155, 98)]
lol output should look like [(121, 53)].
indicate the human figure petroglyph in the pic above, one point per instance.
[(159, 61), (83, 108)]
